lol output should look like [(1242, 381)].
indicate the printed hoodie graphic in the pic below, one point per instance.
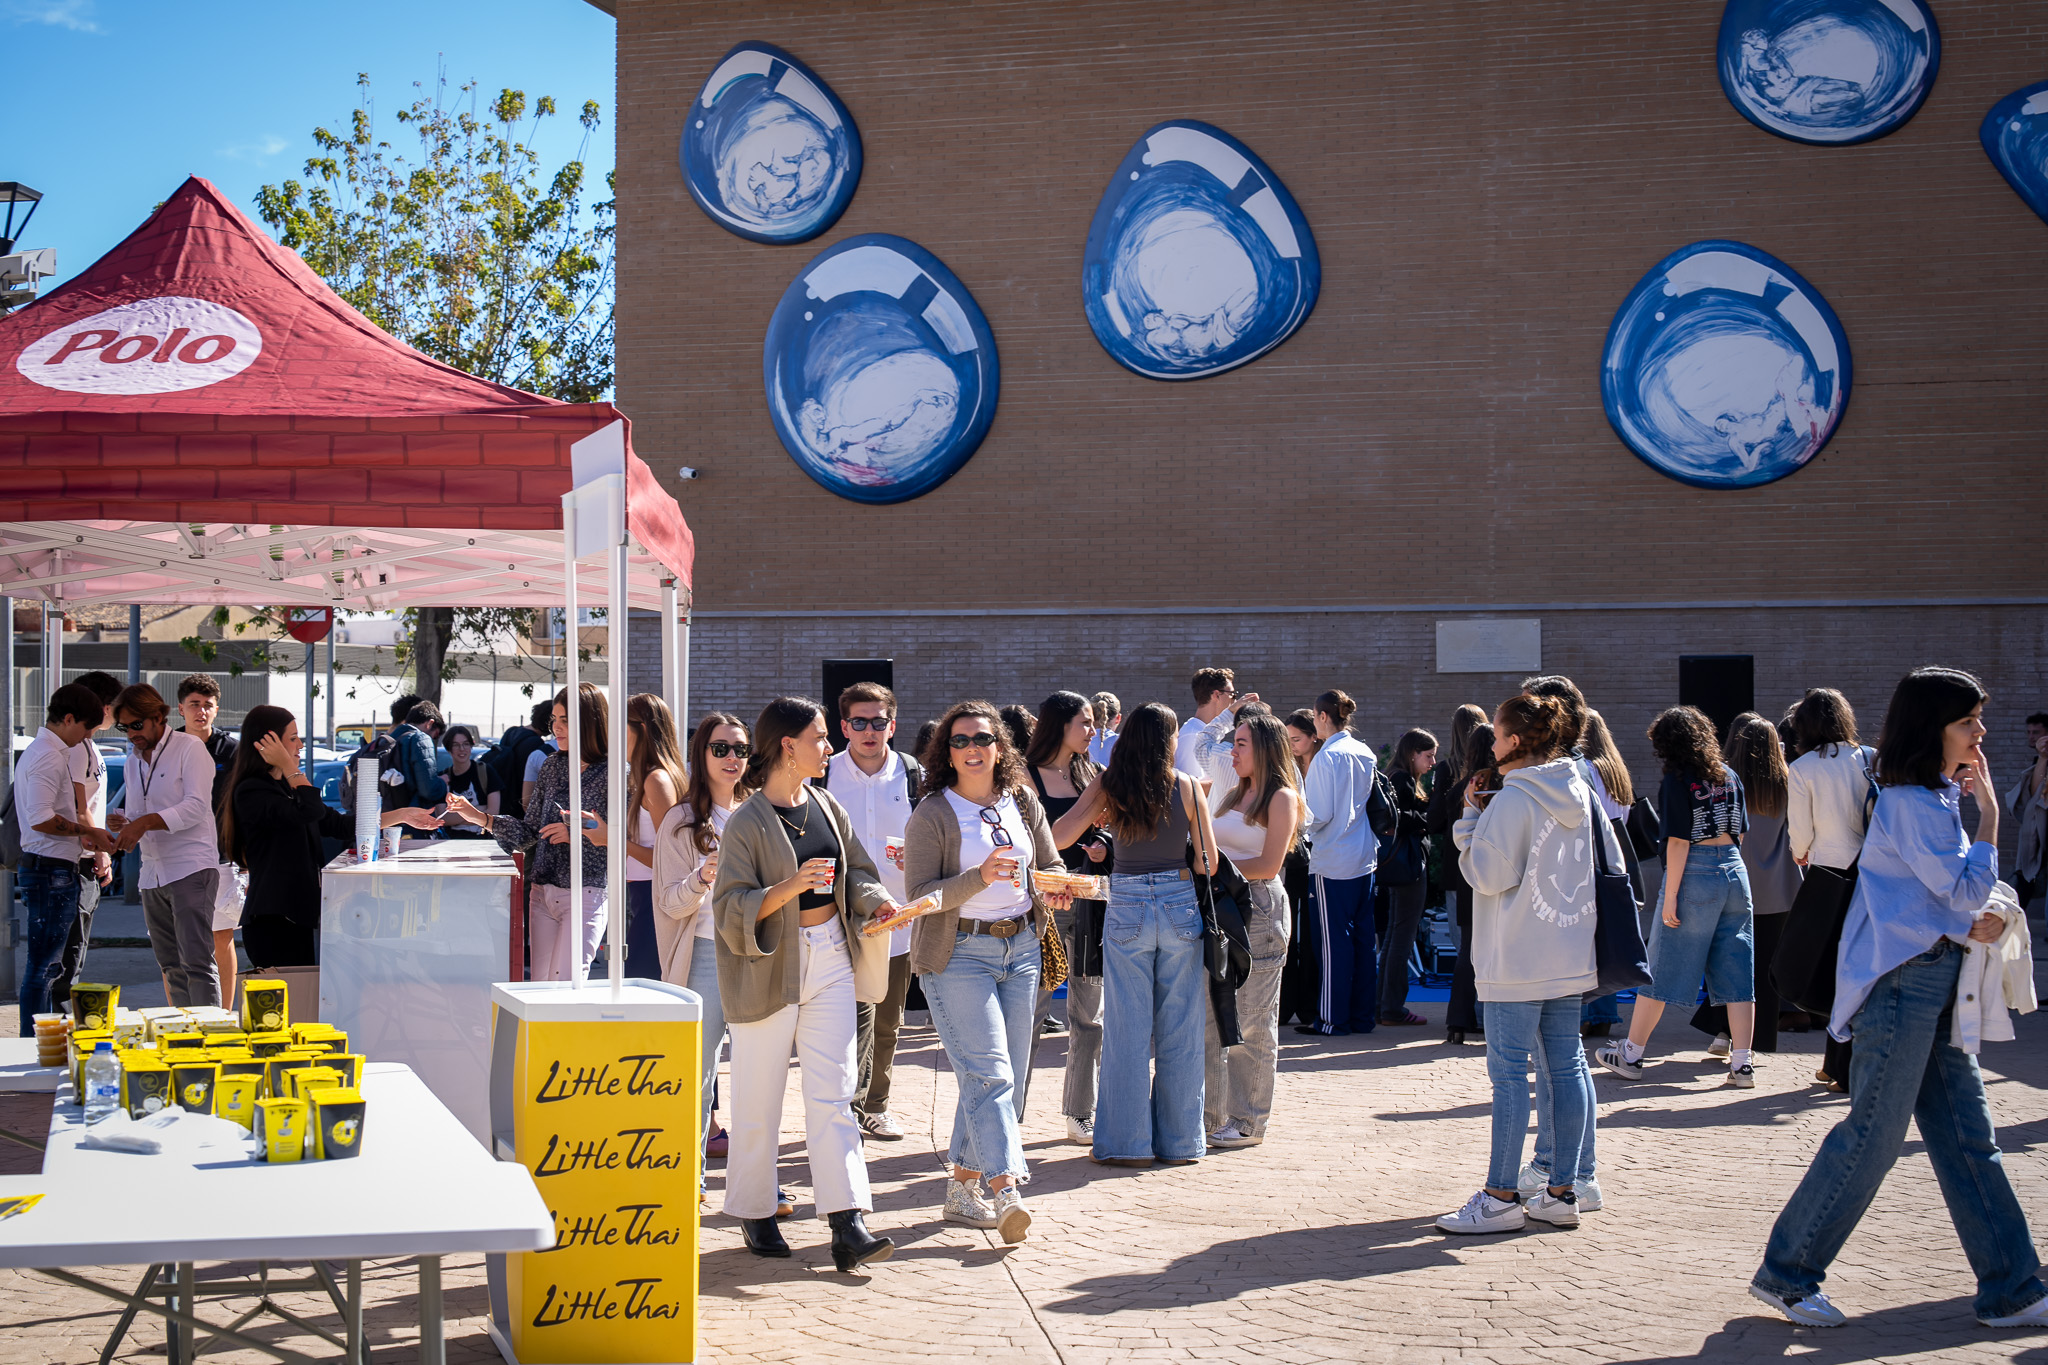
[(1530, 858)]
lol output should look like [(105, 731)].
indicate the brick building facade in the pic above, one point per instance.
[(1486, 182)]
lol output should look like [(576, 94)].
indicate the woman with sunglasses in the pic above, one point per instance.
[(1154, 994), (970, 839), (794, 889), (685, 867)]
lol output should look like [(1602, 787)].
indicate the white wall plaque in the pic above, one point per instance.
[(1489, 646)]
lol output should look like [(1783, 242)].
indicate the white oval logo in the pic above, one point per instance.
[(157, 345)]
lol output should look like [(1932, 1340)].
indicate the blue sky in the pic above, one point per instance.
[(109, 104)]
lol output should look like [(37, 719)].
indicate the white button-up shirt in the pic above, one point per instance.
[(1341, 842), (89, 770), (177, 786), (43, 790), (878, 807)]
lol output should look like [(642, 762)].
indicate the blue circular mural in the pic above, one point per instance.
[(1724, 368), (768, 150), (2015, 137), (881, 370), (1198, 259), (1828, 71)]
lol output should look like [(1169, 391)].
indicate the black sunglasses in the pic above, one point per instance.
[(878, 724), (993, 818), (720, 748), (128, 728), (980, 741)]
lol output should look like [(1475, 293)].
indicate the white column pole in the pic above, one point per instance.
[(575, 811), (615, 771), (689, 596), (671, 659)]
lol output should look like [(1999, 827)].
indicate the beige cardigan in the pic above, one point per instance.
[(678, 897), (758, 967), (931, 862)]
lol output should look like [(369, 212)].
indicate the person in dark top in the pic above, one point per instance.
[(271, 819), (472, 781), (1705, 925), (1471, 749), (1405, 855)]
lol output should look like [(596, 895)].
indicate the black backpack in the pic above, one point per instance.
[(391, 796), (507, 763), (1382, 811)]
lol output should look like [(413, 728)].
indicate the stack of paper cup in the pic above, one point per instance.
[(369, 808)]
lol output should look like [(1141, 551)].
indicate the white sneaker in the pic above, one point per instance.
[(1813, 1311), (1081, 1131), (1742, 1077), (1558, 1210), (964, 1204), (1013, 1220), (1230, 1135), (883, 1125), (2034, 1314), (1719, 1047), (1533, 1181), (1484, 1213), (1588, 1191), (1616, 1061)]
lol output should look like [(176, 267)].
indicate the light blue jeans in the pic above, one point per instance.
[(1715, 937), (982, 1006), (1549, 1029), (1904, 1069), (1153, 1018), (704, 981), (1546, 1115)]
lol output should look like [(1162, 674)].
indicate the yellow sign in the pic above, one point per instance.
[(605, 1117)]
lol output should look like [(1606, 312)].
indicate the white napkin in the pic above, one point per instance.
[(171, 1130)]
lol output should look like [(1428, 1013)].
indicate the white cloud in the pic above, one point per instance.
[(76, 15), (262, 149)]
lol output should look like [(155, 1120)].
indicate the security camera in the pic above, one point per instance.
[(688, 471)]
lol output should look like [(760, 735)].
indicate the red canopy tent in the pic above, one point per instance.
[(198, 418)]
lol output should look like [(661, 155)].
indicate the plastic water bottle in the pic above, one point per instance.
[(102, 1083)]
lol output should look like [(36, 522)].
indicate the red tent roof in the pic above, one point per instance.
[(199, 373)]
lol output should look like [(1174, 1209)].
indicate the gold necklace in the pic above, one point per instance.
[(798, 830)]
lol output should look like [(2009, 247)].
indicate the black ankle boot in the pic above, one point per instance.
[(764, 1238), (852, 1244)]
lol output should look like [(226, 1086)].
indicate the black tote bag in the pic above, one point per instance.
[(1623, 961), (1803, 969)]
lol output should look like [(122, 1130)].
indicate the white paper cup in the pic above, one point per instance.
[(892, 849)]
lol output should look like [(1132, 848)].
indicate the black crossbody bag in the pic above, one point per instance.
[(1621, 959), (1803, 968)]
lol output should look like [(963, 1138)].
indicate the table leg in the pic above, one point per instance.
[(433, 1350), (114, 1338), (188, 1291), (352, 1317)]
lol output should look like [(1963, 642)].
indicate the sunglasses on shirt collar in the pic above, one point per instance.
[(993, 818)]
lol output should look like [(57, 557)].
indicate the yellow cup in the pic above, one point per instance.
[(145, 1085), (269, 1044), (350, 1065), (234, 1097), (171, 1042), (264, 1006), (337, 1123), (308, 1079), (282, 1126), (192, 1083), (93, 1006)]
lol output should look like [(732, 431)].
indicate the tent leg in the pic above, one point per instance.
[(573, 690), (671, 659), (615, 771)]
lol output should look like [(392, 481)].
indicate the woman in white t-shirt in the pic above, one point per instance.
[(685, 865), (654, 781), (1829, 791), (1257, 822), (974, 840)]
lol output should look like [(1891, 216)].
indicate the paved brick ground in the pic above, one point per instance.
[(1314, 1247)]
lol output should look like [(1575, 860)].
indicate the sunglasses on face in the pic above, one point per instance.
[(981, 741), (129, 727), (877, 724), (997, 835), (721, 749)]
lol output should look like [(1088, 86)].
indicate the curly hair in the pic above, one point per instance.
[(1684, 740), (1542, 723), (1139, 781), (938, 757)]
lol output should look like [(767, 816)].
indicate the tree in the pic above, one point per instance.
[(465, 251)]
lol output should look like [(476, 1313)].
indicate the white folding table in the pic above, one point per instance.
[(422, 1187)]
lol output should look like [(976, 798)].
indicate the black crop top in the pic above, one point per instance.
[(812, 836)]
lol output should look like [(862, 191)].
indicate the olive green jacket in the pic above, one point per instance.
[(931, 862), (758, 967)]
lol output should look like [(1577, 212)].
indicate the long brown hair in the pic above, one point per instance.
[(1303, 720), (1757, 757), (1272, 772), (656, 724), (697, 791), (1049, 733), (594, 715), (1139, 782), (248, 765), (1596, 742), (1413, 743), (938, 767), (783, 718), (1464, 721), (1822, 717)]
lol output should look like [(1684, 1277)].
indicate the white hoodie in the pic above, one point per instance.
[(1530, 863)]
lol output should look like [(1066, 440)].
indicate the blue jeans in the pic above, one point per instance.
[(1905, 1069), (704, 980), (643, 953), (982, 1006), (1715, 937), (49, 889), (1545, 1158), (1348, 943), (1514, 1030), (1153, 1017)]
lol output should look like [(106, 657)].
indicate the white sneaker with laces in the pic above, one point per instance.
[(1081, 1131), (1484, 1213), (1719, 1047), (1230, 1135), (1812, 1311), (1532, 1181), (2034, 1314), (1742, 1077), (964, 1204), (1617, 1061), (1588, 1190), (1013, 1220), (1558, 1210), (883, 1125)]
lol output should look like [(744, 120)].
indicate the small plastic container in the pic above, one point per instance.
[(53, 1034), (101, 1094)]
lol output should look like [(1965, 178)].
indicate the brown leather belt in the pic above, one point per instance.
[(994, 928)]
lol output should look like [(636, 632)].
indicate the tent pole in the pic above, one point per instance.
[(622, 820), (330, 679), (10, 988), (134, 644), (671, 662), (308, 762), (683, 656), (575, 774)]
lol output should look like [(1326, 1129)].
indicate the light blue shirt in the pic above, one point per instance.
[(1099, 748), (1342, 844), (1919, 880)]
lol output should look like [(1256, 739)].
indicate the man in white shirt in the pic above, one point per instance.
[(56, 841), (1216, 741), (89, 775), (878, 787), (1109, 719), (167, 810), (1215, 689)]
